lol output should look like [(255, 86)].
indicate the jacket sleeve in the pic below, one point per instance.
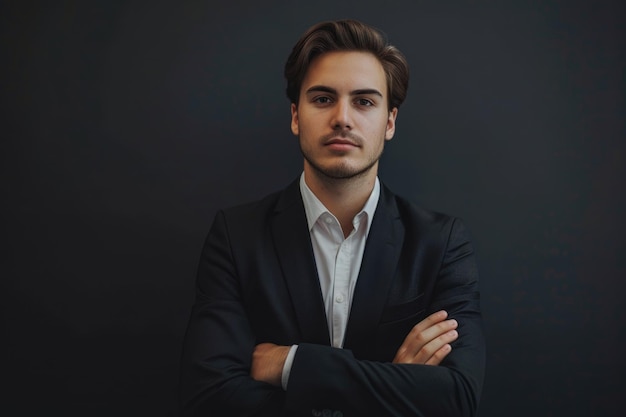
[(326, 378), (219, 342)]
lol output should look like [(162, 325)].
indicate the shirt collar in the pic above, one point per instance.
[(314, 208)]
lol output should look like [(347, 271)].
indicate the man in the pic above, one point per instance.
[(335, 297)]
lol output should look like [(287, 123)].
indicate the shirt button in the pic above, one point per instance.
[(339, 299), (328, 220)]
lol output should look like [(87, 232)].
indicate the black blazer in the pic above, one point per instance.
[(257, 282)]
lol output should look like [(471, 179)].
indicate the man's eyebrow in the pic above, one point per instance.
[(366, 91), (359, 92), (321, 89)]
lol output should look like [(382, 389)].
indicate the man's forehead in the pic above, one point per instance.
[(356, 69)]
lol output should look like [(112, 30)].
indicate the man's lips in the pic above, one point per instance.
[(340, 142)]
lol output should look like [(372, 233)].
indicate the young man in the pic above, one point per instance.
[(335, 297)]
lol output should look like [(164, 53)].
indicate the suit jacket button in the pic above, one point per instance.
[(316, 413)]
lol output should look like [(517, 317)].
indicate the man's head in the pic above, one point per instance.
[(345, 83), (347, 35)]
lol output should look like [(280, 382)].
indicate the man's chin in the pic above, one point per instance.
[(341, 172), (338, 169)]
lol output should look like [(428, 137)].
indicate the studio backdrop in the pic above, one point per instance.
[(127, 125)]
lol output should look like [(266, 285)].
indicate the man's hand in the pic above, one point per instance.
[(428, 341), (268, 360)]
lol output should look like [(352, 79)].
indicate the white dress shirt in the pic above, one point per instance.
[(338, 261)]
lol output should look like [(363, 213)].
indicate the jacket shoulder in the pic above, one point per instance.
[(413, 215), (255, 214), (429, 227)]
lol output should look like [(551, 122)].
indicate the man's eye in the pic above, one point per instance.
[(364, 102), (321, 100)]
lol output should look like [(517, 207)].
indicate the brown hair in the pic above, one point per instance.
[(347, 35)]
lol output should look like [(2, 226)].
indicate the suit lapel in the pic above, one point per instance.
[(295, 253), (378, 266)]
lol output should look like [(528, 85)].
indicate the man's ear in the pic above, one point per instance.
[(294, 119), (391, 123)]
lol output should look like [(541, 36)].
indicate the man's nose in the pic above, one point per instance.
[(342, 116)]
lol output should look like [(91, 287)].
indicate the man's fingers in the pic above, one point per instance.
[(431, 353), (415, 335), (425, 354), (438, 356), (426, 339), (430, 321), (417, 339)]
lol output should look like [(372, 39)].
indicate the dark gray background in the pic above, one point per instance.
[(125, 126)]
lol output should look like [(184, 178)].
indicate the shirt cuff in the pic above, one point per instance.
[(287, 366)]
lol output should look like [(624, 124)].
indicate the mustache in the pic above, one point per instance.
[(344, 134)]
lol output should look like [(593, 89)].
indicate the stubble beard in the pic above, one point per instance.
[(341, 171)]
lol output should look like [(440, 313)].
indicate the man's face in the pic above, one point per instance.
[(342, 117)]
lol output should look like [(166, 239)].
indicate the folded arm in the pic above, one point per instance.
[(222, 358), (428, 343)]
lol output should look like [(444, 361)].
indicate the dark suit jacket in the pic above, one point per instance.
[(257, 282)]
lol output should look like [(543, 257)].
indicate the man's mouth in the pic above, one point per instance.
[(341, 141)]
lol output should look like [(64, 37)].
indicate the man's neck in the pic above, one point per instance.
[(344, 198)]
